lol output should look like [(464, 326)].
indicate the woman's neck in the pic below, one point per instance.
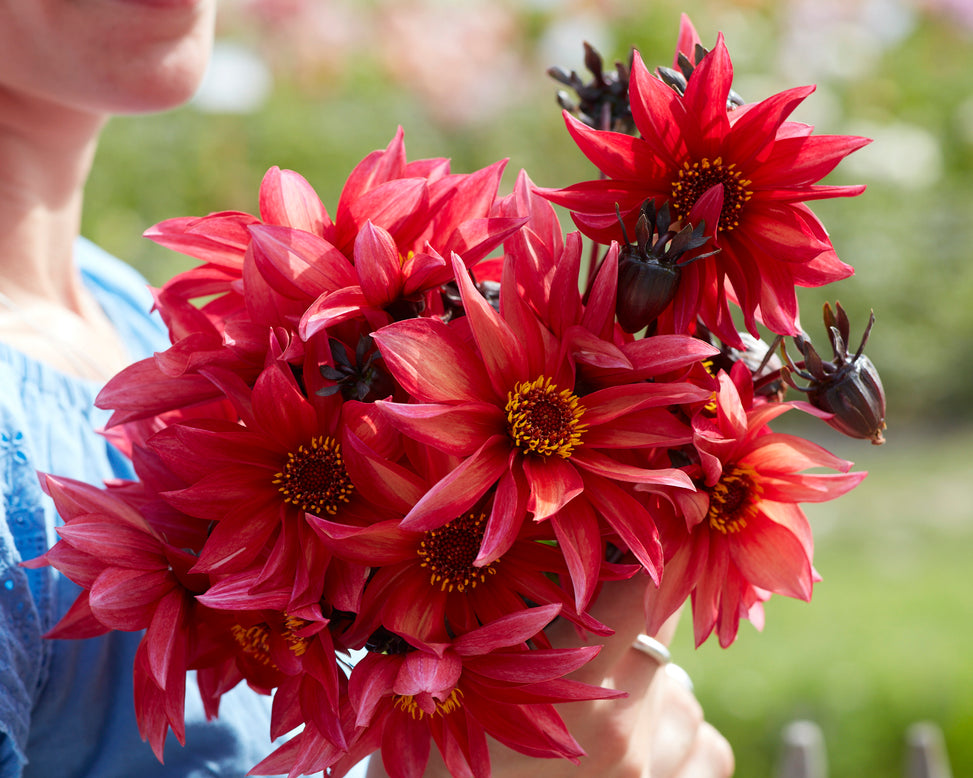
[(45, 155), (46, 311)]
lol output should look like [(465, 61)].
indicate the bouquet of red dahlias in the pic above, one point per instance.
[(426, 427)]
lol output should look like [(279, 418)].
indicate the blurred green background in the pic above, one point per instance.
[(314, 85)]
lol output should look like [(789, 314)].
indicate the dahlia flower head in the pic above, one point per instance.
[(741, 169), (416, 431)]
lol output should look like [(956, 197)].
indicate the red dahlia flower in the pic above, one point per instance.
[(507, 402), (760, 167), (298, 271), (436, 568), (258, 480), (742, 536), (132, 580), (485, 681)]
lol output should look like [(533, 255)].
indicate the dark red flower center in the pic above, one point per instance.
[(695, 178), (408, 704), (314, 477), (734, 499), (448, 553), (543, 420)]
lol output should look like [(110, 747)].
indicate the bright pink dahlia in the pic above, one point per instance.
[(760, 167)]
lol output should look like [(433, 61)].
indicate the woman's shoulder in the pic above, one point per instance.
[(124, 295), (106, 274)]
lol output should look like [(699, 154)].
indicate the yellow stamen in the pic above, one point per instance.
[(734, 500), (448, 553), (314, 477), (543, 420), (695, 178), (407, 703)]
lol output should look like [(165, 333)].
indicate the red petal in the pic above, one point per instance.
[(456, 492), (773, 558), (114, 542), (431, 361), (456, 429), (553, 481), (629, 519), (751, 140), (378, 264), (705, 101), (817, 487), (78, 623), (605, 466), (533, 666), (385, 543), (388, 484), (123, 599), (161, 636), (660, 354), (298, 263), (506, 517), (579, 540), (615, 154), (332, 308), (655, 108), (422, 672), (500, 349), (779, 453), (506, 631), (287, 198)]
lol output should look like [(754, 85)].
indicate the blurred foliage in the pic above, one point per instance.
[(884, 643)]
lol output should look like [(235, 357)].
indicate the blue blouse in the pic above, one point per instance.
[(66, 706)]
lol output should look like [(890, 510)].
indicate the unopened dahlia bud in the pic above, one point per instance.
[(679, 79), (848, 386), (602, 103), (363, 378), (649, 269)]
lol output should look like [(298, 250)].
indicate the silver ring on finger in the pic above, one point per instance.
[(653, 648)]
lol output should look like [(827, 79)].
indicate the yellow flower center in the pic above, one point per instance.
[(543, 420), (695, 178), (734, 500), (314, 478), (255, 639), (448, 553), (407, 703), (296, 643)]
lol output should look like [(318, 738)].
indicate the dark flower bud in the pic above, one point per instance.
[(679, 79), (363, 379), (453, 301), (649, 270), (602, 103), (847, 386)]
